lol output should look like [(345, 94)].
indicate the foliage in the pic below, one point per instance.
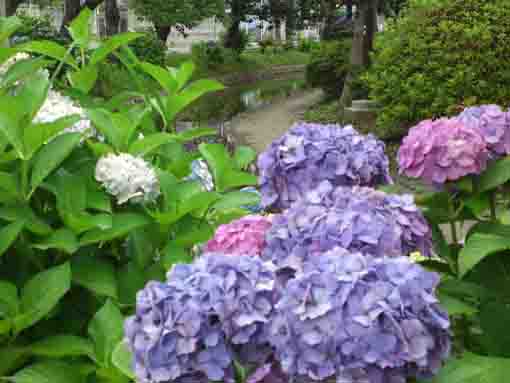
[(72, 258), (439, 56), (176, 13), (150, 48), (329, 67), (36, 28), (308, 45)]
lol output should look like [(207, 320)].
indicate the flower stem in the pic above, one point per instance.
[(453, 228)]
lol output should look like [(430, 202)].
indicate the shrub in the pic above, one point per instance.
[(265, 44), (308, 45), (433, 59), (209, 54), (150, 48), (329, 67), (36, 28)]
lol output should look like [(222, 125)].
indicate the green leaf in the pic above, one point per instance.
[(51, 156), (194, 133), (60, 346), (11, 359), (100, 148), (122, 358), (96, 274), (106, 331), (9, 184), (479, 246), (472, 368), (80, 29), (9, 302), (50, 49), (8, 26), (184, 74), (233, 179), (131, 278), (22, 69), (244, 156), (150, 143), (51, 371), (41, 294), (104, 122), (122, 225), (24, 213), (497, 174), (456, 306), (8, 235), (237, 199), (217, 158), (111, 45), (494, 319), (61, 239), (32, 94), (36, 135), (191, 231), (11, 127), (84, 79), (174, 254), (177, 102), (161, 75)]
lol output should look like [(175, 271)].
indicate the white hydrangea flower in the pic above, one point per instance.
[(11, 61), (200, 172), (127, 178), (58, 106)]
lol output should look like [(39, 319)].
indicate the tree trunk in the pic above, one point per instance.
[(112, 17), (11, 6), (290, 21), (349, 5), (163, 31), (278, 30)]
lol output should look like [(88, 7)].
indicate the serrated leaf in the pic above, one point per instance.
[(174, 254), (104, 123), (84, 79), (9, 301), (41, 294), (22, 69), (237, 199), (122, 358), (479, 246), (96, 274), (244, 156), (496, 174), (60, 346), (494, 319), (11, 127), (112, 44), (455, 306), (122, 224), (24, 213), (149, 144), (106, 330), (50, 49), (51, 156), (183, 75), (472, 368), (61, 239), (51, 371), (8, 235), (161, 75), (8, 26)]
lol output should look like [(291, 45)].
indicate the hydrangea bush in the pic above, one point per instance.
[(357, 219), (308, 154)]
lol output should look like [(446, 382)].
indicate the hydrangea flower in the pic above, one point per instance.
[(442, 150), (360, 318), (206, 315), (311, 153), (127, 178), (358, 219), (245, 236), (57, 106), (494, 125), (200, 172)]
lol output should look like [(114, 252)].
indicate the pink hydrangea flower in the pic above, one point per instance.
[(442, 150), (246, 236)]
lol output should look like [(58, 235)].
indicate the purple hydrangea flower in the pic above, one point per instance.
[(494, 125), (360, 318), (206, 315), (311, 153), (442, 150), (357, 219)]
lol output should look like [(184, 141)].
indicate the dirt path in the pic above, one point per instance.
[(259, 128)]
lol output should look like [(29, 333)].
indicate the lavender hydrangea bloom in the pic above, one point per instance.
[(208, 313), (358, 219), (311, 153), (360, 319), (493, 123), (442, 150)]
